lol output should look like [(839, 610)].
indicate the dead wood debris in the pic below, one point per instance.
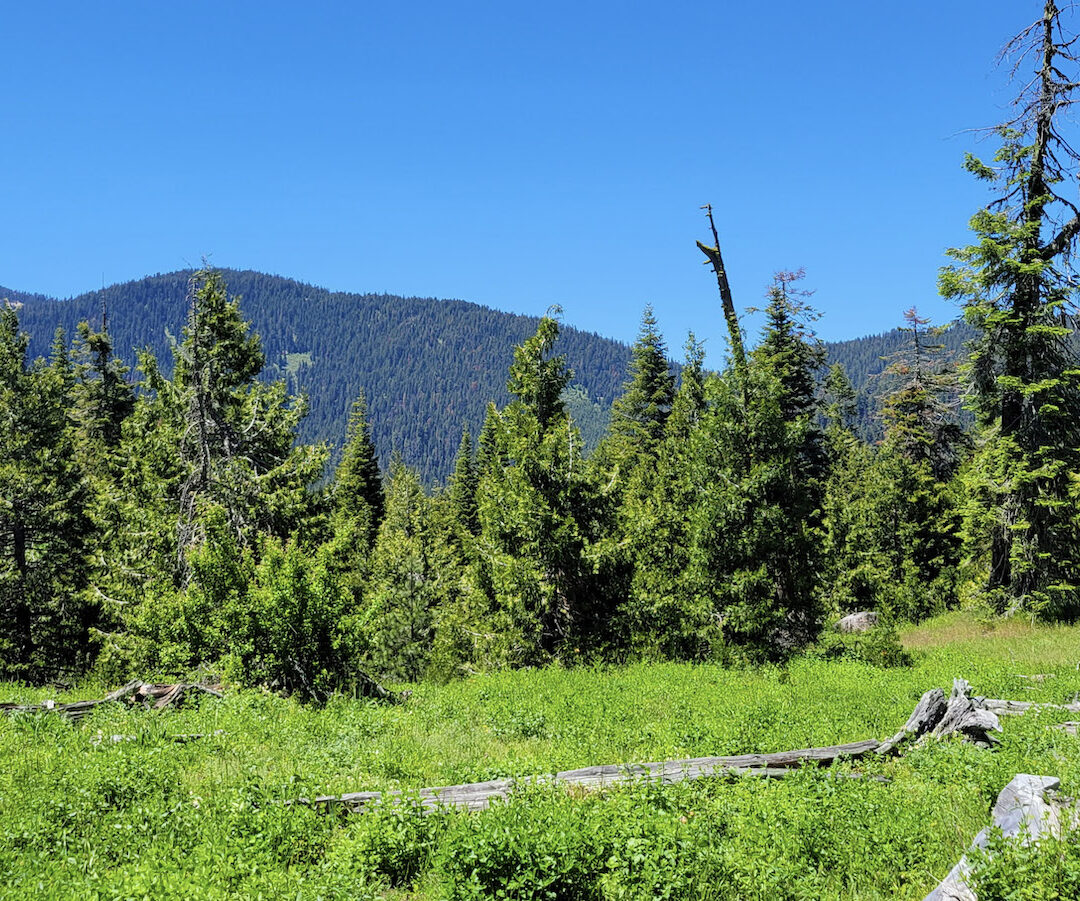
[(150, 695)]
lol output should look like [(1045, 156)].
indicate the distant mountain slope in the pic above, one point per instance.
[(865, 358), (427, 366)]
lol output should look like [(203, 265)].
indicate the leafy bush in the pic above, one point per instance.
[(1047, 870), (879, 646)]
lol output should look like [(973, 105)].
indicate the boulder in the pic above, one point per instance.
[(863, 621)]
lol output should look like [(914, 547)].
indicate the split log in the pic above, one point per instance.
[(962, 714), (1023, 811), (926, 715), (968, 717)]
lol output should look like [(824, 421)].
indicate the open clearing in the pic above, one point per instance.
[(84, 816)]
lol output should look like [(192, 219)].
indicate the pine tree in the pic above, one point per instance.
[(1016, 289)]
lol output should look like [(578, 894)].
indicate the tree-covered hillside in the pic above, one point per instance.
[(427, 367)]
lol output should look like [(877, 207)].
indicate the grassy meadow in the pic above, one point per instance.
[(84, 816)]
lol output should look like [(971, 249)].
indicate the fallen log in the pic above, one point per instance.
[(1016, 708), (962, 714), (479, 795), (926, 715)]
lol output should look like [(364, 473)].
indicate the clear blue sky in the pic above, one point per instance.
[(511, 154)]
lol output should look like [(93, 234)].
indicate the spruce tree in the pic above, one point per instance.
[(1016, 288), (639, 414), (534, 508), (664, 616), (358, 492), (760, 469), (464, 482), (212, 468), (44, 524)]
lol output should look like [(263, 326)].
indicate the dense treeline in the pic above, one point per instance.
[(427, 367), (178, 522)]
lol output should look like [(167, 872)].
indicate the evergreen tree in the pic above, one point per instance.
[(464, 482), (237, 443), (892, 530), (358, 492), (532, 501), (918, 411), (212, 445), (639, 414), (103, 398), (664, 616), (44, 525), (1016, 288), (760, 469), (408, 580)]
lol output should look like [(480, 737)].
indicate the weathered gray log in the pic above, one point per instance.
[(1015, 708), (478, 795), (134, 692), (968, 717), (926, 715), (1024, 812)]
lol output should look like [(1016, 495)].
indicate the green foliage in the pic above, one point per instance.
[(533, 501), (892, 514), (1017, 293), (879, 646), (45, 523), (1008, 870), (759, 468), (82, 814), (409, 576), (358, 492), (296, 629), (284, 619)]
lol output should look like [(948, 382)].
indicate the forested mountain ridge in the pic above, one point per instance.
[(426, 366)]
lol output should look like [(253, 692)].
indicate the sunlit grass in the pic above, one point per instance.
[(81, 814)]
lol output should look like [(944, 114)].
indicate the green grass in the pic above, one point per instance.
[(80, 814)]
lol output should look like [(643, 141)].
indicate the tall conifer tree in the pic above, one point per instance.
[(1017, 292)]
